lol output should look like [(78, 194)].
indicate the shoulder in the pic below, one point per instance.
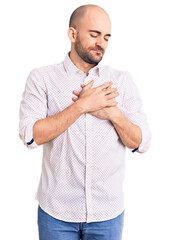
[(45, 70), (119, 77), (44, 74)]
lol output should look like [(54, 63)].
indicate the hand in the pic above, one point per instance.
[(105, 112)]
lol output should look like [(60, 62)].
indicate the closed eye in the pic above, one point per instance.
[(94, 36)]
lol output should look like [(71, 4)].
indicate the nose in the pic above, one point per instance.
[(100, 42)]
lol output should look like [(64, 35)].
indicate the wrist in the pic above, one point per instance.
[(117, 116), (81, 105)]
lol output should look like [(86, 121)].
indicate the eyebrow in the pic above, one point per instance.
[(109, 35)]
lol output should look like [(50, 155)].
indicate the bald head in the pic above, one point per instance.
[(80, 13), (89, 32)]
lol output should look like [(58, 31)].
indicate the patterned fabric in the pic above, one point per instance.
[(83, 168)]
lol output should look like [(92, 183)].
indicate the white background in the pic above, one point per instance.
[(34, 34)]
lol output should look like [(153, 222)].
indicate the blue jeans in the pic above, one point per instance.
[(51, 228)]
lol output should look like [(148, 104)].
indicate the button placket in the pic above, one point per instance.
[(87, 79), (88, 167)]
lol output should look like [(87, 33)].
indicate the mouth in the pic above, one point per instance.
[(98, 51)]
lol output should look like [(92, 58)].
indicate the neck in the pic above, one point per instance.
[(79, 63)]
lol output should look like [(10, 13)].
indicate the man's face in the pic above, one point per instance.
[(92, 37)]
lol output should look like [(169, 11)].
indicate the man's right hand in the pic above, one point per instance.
[(93, 99)]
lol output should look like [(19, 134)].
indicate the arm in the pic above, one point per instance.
[(45, 130), (35, 128), (49, 128), (129, 133), (131, 108), (130, 122)]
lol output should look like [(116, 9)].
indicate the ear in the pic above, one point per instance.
[(72, 33)]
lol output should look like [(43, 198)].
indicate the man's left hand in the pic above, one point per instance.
[(104, 113)]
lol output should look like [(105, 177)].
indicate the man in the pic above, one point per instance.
[(85, 115)]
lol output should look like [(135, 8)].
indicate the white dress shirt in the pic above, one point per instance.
[(83, 168)]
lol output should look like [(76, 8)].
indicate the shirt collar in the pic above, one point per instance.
[(72, 69)]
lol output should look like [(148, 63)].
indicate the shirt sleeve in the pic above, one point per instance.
[(32, 107), (132, 109)]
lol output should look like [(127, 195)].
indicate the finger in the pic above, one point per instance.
[(90, 84), (112, 103), (110, 90), (76, 92), (75, 99), (112, 95), (108, 87), (82, 85), (105, 85)]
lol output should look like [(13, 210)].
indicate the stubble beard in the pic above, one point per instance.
[(87, 56)]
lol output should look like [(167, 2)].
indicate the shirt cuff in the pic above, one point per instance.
[(26, 135), (146, 139), (31, 144), (134, 150)]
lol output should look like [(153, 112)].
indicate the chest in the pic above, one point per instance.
[(60, 90)]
